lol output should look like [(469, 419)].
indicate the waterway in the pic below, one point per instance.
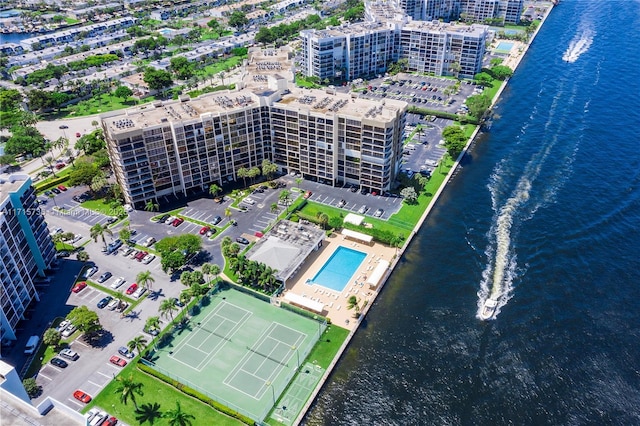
[(544, 213)]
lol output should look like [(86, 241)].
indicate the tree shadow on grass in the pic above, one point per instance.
[(149, 412)]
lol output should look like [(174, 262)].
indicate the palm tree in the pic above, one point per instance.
[(152, 322), (323, 218), (185, 296), (178, 417), (98, 230), (214, 189), (298, 182), (206, 270), (94, 123), (151, 206), (149, 412), (82, 256), (243, 173), (128, 389), (138, 343), (145, 279), (354, 303), (168, 307), (228, 213), (49, 161), (215, 271), (274, 208), (285, 197)]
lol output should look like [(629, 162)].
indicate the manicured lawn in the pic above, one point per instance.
[(100, 206), (102, 103), (156, 391), (223, 65), (326, 349)]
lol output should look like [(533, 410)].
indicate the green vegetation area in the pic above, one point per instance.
[(113, 208), (327, 348), (157, 395), (71, 21), (308, 82), (102, 103)]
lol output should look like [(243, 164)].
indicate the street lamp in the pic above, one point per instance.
[(273, 392)]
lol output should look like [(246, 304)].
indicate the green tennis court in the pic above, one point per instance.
[(238, 350)]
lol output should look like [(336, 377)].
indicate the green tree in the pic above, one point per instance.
[(152, 323), (82, 256), (6, 159), (138, 344), (478, 105), (354, 303), (172, 261), (83, 173), (98, 230), (32, 387), (243, 173), (501, 72), (178, 417), (215, 26), (214, 189), (268, 169), (167, 308), (157, 79), (454, 140), (151, 206), (145, 279), (124, 234), (52, 337), (181, 67), (285, 197), (484, 79), (25, 140), (128, 389), (123, 92), (323, 218), (85, 320), (238, 19), (409, 194), (274, 208)]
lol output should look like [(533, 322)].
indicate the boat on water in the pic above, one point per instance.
[(488, 309)]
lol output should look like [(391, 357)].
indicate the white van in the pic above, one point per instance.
[(32, 345)]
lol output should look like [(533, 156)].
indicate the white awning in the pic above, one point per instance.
[(378, 273), (357, 235), (354, 219), (304, 302)]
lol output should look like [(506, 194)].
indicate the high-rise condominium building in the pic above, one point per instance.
[(181, 147), (26, 250)]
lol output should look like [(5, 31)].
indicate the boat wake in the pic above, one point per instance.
[(579, 45)]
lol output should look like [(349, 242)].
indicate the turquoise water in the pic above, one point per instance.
[(338, 270), (504, 46)]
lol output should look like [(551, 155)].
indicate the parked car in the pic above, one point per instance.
[(308, 194), (149, 242), (117, 283), (60, 166), (63, 253), (342, 203), (378, 213), (113, 304), (133, 254), (111, 421), (111, 220), (124, 351), (141, 255), (204, 230), (216, 220), (92, 413), (69, 354), (249, 201), (82, 396), (78, 134), (177, 222), (55, 191), (98, 420), (63, 126), (151, 331), (132, 288), (89, 272), (105, 276), (148, 259), (64, 324), (78, 287), (127, 251), (117, 361), (62, 187), (59, 362), (363, 209), (69, 330), (211, 232), (242, 240), (139, 292), (163, 218), (104, 301), (178, 302), (170, 220)]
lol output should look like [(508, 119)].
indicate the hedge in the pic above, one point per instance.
[(443, 114), (191, 392), (43, 186)]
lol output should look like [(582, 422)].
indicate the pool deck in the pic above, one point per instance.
[(335, 302)]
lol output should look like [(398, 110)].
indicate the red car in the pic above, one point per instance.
[(308, 194), (78, 287), (141, 256), (117, 361), (60, 165), (111, 421), (82, 396), (78, 134), (132, 288), (204, 230), (62, 187), (177, 221)]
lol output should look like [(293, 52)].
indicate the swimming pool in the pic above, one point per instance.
[(338, 270), (504, 47)]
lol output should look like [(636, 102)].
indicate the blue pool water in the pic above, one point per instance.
[(504, 46), (338, 270)]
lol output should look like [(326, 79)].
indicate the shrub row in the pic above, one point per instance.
[(443, 114), (43, 186), (195, 394)]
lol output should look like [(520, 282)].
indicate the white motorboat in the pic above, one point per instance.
[(488, 309)]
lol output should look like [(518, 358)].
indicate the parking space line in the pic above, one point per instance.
[(95, 384), (75, 402), (105, 375), (46, 377)]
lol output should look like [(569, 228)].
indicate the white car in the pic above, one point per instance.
[(148, 259), (64, 324), (170, 220), (128, 251), (113, 304), (139, 292), (69, 330), (69, 354), (89, 272), (149, 242), (76, 238), (250, 201), (118, 283)]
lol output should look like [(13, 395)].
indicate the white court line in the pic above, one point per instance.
[(197, 349)]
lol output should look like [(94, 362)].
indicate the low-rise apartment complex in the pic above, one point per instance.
[(26, 250), (181, 147)]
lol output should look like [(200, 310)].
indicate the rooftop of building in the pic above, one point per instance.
[(447, 27), (11, 184), (286, 246)]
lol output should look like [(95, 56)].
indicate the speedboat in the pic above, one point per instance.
[(488, 309)]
